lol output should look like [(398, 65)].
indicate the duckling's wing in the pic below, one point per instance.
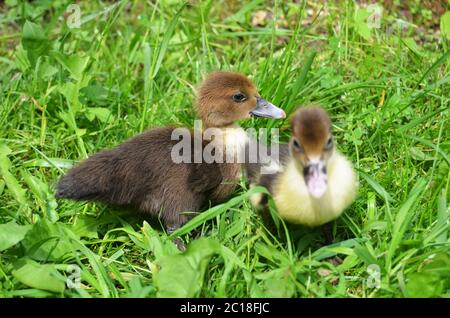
[(204, 177), (123, 175)]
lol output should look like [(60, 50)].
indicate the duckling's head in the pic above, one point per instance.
[(226, 97), (312, 146)]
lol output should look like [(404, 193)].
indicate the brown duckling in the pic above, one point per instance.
[(314, 182), (141, 174)]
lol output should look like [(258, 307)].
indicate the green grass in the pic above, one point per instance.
[(66, 93)]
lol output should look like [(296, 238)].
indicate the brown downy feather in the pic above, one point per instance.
[(140, 174), (214, 106)]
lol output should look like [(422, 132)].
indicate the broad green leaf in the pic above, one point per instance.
[(95, 93), (181, 275), (46, 70), (101, 113), (432, 278), (137, 290), (71, 93), (278, 283), (33, 31), (11, 233), (74, 64), (361, 26), (22, 62), (39, 276), (439, 265), (47, 241), (424, 285), (34, 41), (11, 182), (349, 262), (445, 24), (160, 245), (4, 150), (331, 81), (86, 226)]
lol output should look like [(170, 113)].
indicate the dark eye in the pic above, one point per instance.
[(239, 97), (329, 143), (297, 146)]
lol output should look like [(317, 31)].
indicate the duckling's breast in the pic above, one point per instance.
[(296, 205), (230, 143)]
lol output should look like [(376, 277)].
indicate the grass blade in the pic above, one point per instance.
[(402, 220), (215, 211)]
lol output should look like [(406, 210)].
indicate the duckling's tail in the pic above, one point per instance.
[(85, 181)]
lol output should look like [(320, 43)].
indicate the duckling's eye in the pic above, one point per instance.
[(297, 146), (329, 143), (239, 97)]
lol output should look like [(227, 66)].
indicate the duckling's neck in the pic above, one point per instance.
[(230, 140), (296, 205), (229, 145)]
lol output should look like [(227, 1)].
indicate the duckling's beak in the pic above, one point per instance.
[(315, 174), (265, 109)]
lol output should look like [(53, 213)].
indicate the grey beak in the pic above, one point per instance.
[(265, 109)]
